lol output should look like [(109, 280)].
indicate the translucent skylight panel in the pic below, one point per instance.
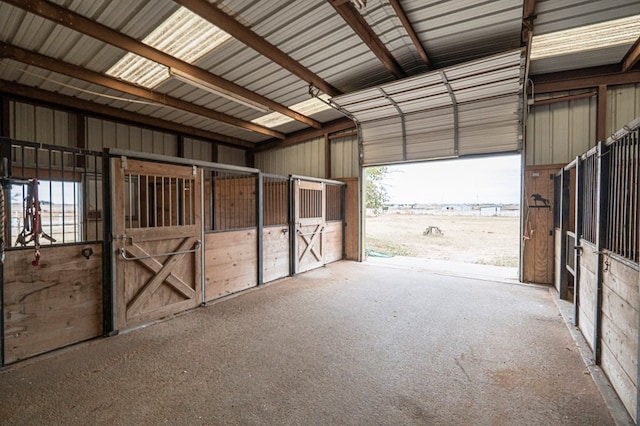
[(183, 35), (590, 37), (308, 107)]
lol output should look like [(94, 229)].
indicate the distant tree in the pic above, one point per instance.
[(376, 192)]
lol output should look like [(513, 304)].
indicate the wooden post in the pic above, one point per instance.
[(601, 114), (5, 128), (327, 156)]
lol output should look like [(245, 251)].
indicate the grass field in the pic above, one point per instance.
[(471, 239)]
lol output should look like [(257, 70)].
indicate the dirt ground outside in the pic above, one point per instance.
[(488, 240)]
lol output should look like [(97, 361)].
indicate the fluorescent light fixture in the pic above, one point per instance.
[(189, 79), (589, 37), (184, 35), (308, 107)]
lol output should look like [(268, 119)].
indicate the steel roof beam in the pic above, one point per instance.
[(360, 26), (305, 135), (528, 15), (632, 56), (397, 7), (217, 17), (77, 22), (45, 62), (586, 78), (57, 99)]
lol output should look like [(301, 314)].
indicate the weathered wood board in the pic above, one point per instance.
[(333, 242), (276, 254), (620, 297), (538, 240), (351, 218), (231, 262), (53, 305), (587, 291)]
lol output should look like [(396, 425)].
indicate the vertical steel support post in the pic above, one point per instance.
[(576, 252), (260, 226), (343, 190), (292, 226), (601, 220), (108, 259)]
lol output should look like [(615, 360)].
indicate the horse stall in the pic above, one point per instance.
[(599, 247), (276, 227), (231, 240), (181, 233), (52, 229), (318, 222)]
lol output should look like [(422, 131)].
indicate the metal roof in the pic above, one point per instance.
[(310, 33), (559, 15)]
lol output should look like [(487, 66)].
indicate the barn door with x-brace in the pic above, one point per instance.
[(157, 231), (310, 218)]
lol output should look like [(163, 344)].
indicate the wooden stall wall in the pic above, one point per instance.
[(333, 236), (537, 238), (276, 240), (619, 339), (231, 262), (275, 252), (587, 290), (54, 305)]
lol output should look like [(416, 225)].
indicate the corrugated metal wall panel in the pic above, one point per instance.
[(557, 133), (623, 105), (102, 134), (306, 159), (233, 156), (344, 157), (39, 124), (198, 150)]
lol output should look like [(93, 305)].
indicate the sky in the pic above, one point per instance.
[(476, 180)]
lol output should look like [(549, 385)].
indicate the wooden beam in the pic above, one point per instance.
[(217, 17), (601, 114), (564, 99), (327, 156), (528, 16), (397, 7), (305, 135), (360, 26), (587, 78), (39, 96), (4, 117), (632, 56), (77, 22), (41, 61)]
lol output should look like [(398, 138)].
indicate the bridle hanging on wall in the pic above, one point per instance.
[(32, 224)]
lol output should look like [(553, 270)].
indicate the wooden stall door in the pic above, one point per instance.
[(538, 241), (157, 231), (310, 214)]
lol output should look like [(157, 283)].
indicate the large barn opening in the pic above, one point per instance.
[(461, 214)]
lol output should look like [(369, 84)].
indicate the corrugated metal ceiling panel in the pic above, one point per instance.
[(455, 32), (558, 15), (335, 53)]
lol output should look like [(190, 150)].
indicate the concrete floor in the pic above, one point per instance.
[(348, 344)]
